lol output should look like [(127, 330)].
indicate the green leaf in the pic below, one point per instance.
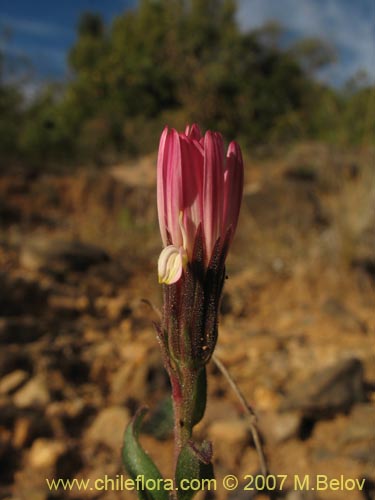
[(138, 463), (160, 423), (200, 397), (193, 463)]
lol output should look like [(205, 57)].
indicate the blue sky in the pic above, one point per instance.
[(43, 30)]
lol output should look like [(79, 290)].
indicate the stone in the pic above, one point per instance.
[(44, 453), (19, 330), (68, 306), (5, 442), (15, 357), (69, 416), (362, 452), (23, 432), (28, 426), (347, 319), (113, 307), (358, 436), (141, 374), (34, 393), (9, 459), (300, 495), (13, 381), (331, 390), (364, 260), (265, 398), (19, 296), (361, 424), (234, 435), (57, 254), (279, 427), (109, 426), (30, 484)]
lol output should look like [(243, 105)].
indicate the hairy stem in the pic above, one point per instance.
[(183, 397)]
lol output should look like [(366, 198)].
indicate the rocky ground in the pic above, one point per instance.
[(78, 353)]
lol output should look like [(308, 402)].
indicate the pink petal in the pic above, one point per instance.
[(213, 185), (192, 180), (161, 179), (173, 195), (233, 187), (193, 132)]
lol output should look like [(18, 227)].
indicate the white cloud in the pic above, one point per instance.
[(343, 23)]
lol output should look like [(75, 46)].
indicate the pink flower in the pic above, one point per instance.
[(198, 187)]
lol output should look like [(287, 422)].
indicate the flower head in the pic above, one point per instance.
[(199, 188)]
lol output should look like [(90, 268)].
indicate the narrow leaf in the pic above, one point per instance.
[(160, 423), (138, 463), (200, 396)]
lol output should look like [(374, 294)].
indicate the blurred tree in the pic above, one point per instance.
[(177, 61), (11, 109), (45, 136), (313, 54), (358, 117), (270, 34)]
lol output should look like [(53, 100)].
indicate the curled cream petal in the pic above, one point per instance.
[(172, 261)]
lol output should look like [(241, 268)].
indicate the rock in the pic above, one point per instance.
[(334, 389), (13, 381), (234, 435), (102, 470), (279, 427), (21, 296), (234, 303), (30, 485), (362, 452), (113, 307), (361, 425), (365, 264), (13, 358), (347, 319), (29, 426), (364, 260), (300, 495), (34, 393), (141, 374), (45, 453), (358, 438), (8, 214), (66, 306), (9, 459), (125, 384), (5, 441), (112, 272), (19, 330), (265, 398), (56, 254), (301, 173), (109, 426), (243, 495), (69, 417), (22, 432)]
